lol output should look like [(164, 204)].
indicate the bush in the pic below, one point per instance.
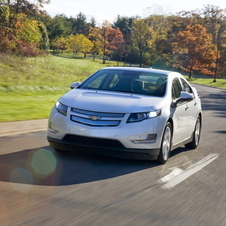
[(28, 50), (9, 43)]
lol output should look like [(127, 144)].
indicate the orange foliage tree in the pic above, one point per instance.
[(107, 39), (193, 51)]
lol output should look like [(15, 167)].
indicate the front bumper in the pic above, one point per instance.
[(124, 140), (106, 147)]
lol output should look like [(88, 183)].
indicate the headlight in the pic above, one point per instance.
[(138, 117), (61, 108)]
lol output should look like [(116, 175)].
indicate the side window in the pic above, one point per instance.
[(95, 84), (114, 81), (176, 89), (186, 87)]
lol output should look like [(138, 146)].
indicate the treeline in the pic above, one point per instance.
[(191, 41)]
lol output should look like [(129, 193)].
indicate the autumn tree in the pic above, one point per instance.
[(110, 39), (96, 38), (193, 50), (27, 7), (59, 44), (27, 30), (214, 19), (78, 43)]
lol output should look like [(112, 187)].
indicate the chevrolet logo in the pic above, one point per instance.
[(94, 118)]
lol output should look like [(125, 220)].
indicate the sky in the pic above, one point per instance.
[(103, 10)]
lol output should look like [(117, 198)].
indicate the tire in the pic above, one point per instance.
[(196, 135), (165, 144)]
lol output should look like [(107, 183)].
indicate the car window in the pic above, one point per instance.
[(186, 87), (95, 83), (146, 83), (176, 89), (114, 81)]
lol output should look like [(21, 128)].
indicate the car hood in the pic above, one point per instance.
[(105, 101)]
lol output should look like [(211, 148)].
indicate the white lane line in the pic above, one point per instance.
[(175, 171), (178, 175)]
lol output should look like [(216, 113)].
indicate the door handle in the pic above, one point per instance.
[(186, 107)]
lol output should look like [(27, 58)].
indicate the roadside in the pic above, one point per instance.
[(12, 128), (19, 127)]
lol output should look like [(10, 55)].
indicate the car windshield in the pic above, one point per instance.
[(147, 83)]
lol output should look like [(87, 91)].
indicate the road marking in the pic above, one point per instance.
[(171, 180), (178, 175)]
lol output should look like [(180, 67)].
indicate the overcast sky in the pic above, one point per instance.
[(103, 10)]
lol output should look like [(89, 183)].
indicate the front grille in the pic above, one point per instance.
[(91, 141), (92, 118)]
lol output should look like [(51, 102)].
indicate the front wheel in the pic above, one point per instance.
[(166, 144), (196, 135)]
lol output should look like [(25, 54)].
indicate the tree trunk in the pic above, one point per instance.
[(190, 71), (104, 60)]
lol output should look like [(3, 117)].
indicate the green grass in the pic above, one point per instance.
[(29, 87), (220, 83), (15, 107), (42, 72)]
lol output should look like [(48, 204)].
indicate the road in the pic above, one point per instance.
[(41, 187)]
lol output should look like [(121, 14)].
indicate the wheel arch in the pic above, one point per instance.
[(170, 120), (201, 117)]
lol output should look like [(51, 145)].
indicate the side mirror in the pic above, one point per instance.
[(75, 85), (184, 97)]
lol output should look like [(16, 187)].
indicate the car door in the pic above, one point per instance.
[(180, 114), (193, 107)]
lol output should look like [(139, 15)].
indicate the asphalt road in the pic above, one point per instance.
[(41, 187)]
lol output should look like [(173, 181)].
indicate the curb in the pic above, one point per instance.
[(18, 127)]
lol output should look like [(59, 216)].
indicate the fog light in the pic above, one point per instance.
[(51, 130), (150, 138)]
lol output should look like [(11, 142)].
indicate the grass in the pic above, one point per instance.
[(15, 107), (43, 73), (29, 87), (220, 83)]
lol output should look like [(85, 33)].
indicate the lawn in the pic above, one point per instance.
[(220, 83), (29, 87)]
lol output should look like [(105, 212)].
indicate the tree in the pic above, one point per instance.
[(59, 44), (80, 26), (215, 23), (125, 26), (59, 26), (19, 34), (93, 22), (193, 50), (96, 39), (27, 7), (141, 37), (78, 43), (106, 39), (44, 44), (27, 30)]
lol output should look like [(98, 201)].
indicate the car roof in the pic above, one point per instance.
[(139, 69)]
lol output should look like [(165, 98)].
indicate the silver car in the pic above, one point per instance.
[(127, 112)]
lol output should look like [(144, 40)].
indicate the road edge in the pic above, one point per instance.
[(18, 127)]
